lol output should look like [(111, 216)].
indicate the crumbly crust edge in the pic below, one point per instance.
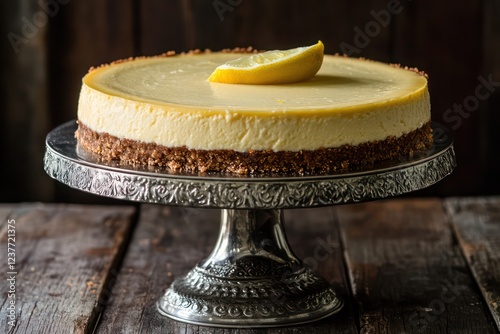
[(182, 159)]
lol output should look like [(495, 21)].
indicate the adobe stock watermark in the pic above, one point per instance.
[(453, 117), (187, 213), (31, 26), (223, 6), (381, 19), (11, 274), (324, 249), (420, 319), (106, 294)]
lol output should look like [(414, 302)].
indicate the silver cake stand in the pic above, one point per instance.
[(252, 278)]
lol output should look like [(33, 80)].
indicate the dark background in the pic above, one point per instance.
[(45, 53)]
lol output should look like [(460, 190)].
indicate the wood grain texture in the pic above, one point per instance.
[(477, 225), (426, 35), (407, 274), (93, 32), (188, 24), (24, 120), (162, 27), (39, 87), (489, 115), (169, 241), (84, 34), (314, 236), (65, 257), (491, 33)]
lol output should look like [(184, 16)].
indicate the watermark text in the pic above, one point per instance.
[(30, 27), (11, 273)]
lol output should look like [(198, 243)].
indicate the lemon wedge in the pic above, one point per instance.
[(272, 67)]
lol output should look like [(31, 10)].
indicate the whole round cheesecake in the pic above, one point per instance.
[(163, 111)]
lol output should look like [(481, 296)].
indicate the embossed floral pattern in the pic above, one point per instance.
[(238, 193), (250, 291)]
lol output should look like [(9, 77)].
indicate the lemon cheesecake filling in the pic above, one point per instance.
[(167, 104)]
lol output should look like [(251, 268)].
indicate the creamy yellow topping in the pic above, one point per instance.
[(170, 102)]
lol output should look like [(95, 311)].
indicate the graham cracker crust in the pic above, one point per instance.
[(183, 159)]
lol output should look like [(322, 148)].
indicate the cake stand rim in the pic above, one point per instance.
[(62, 158)]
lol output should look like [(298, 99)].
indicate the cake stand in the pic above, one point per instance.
[(252, 278)]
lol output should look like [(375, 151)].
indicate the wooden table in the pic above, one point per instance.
[(402, 266)]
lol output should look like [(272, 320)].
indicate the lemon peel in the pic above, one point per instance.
[(272, 67)]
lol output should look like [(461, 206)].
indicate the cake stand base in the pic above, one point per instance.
[(251, 279)]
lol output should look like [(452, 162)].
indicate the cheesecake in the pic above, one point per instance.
[(164, 111)]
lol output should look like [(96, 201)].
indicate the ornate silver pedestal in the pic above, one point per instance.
[(252, 278)]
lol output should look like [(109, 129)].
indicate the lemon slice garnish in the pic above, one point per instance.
[(272, 67)]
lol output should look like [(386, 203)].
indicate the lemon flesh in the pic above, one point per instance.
[(272, 67)]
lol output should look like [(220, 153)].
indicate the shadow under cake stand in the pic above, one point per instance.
[(252, 278)]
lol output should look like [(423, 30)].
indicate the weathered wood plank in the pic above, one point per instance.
[(84, 34), (186, 24), (426, 36), (5, 210), (489, 115), (315, 237), (169, 241), (407, 274), (477, 225), (161, 27), (109, 37), (24, 120), (65, 255), (358, 29)]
